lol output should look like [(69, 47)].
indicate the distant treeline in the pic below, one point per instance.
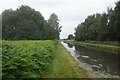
[(101, 27), (25, 23)]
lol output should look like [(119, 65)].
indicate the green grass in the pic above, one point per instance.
[(110, 43), (27, 59), (101, 45), (0, 58), (0, 61), (38, 59), (65, 66)]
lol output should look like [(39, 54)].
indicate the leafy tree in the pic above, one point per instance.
[(54, 23), (70, 36), (114, 23), (0, 27), (8, 24), (27, 24), (101, 27)]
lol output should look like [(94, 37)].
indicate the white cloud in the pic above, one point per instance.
[(70, 12)]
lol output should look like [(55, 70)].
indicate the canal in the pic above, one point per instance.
[(98, 63)]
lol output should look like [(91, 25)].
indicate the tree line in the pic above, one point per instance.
[(100, 27), (25, 23)]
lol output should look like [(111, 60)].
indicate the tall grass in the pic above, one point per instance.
[(27, 59)]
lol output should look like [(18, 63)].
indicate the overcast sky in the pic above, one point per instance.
[(69, 12)]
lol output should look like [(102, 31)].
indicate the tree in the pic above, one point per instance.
[(54, 23), (101, 27), (27, 24), (0, 27), (114, 23), (70, 36), (8, 24)]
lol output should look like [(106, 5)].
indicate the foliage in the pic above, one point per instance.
[(54, 22), (25, 23), (27, 59), (114, 23), (101, 27), (0, 27), (70, 36)]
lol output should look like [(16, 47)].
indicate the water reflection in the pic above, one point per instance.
[(70, 45), (100, 61)]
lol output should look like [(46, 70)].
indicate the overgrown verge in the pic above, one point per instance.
[(112, 46), (27, 59)]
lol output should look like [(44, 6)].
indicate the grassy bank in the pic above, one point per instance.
[(38, 59), (64, 66), (112, 46)]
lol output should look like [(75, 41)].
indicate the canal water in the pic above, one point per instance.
[(98, 63)]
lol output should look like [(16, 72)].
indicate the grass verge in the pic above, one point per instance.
[(113, 48), (65, 66)]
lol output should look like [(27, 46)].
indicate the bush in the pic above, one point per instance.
[(27, 59)]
